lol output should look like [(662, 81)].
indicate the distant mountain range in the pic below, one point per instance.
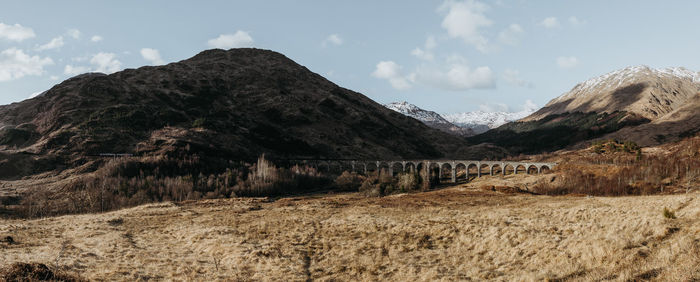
[(430, 118), (481, 121), (463, 124), (220, 106)]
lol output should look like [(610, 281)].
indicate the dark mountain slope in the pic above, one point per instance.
[(226, 105)]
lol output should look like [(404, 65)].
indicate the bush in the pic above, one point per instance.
[(628, 173), (669, 213), (200, 122), (408, 182), (370, 186), (383, 183), (121, 183), (34, 272), (349, 181)]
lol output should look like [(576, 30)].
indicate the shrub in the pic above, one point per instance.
[(349, 181), (125, 183), (370, 186), (20, 271), (408, 182), (200, 122), (669, 213), (618, 174)]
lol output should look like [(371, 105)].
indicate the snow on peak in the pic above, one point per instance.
[(628, 75), (482, 121), (477, 121), (416, 112)]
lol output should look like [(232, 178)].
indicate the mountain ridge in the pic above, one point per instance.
[(481, 121), (219, 105), (430, 118), (647, 92), (639, 104)]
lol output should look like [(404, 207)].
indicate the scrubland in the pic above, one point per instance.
[(456, 233), (613, 212)]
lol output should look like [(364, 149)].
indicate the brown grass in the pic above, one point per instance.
[(452, 234), (621, 168), (34, 272)]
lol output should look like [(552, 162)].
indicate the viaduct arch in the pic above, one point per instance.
[(444, 167)]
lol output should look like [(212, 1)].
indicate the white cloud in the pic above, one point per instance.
[(75, 70), (576, 21), (526, 108), (456, 77), (80, 59), (96, 38), (228, 41), (54, 43), (15, 32), (512, 77), (333, 39), (54, 77), (15, 64), (567, 62), (550, 22), (392, 72), (511, 35), (530, 106), (106, 62), (101, 62), (74, 33), (152, 55), (464, 20), (427, 52)]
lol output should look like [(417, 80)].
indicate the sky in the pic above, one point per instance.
[(447, 56)]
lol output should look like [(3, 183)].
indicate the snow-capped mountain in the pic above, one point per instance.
[(648, 92), (659, 105), (430, 118), (481, 121), (414, 111)]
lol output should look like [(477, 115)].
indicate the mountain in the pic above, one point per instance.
[(640, 104), (430, 118), (480, 121), (641, 90), (216, 107)]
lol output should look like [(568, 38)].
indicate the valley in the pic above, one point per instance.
[(463, 232)]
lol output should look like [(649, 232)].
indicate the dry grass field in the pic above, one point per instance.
[(457, 233)]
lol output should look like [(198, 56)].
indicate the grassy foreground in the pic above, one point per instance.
[(457, 233)]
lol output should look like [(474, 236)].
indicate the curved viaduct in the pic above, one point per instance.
[(441, 166)]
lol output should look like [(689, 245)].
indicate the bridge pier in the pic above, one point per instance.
[(427, 164)]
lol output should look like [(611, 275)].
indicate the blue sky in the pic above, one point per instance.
[(447, 56)]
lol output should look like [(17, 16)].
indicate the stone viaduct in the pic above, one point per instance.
[(442, 167)]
